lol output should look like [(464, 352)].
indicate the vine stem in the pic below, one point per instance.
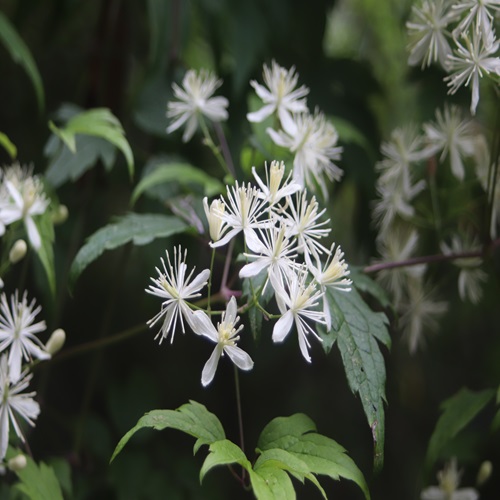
[(240, 416), (213, 147), (427, 259), (225, 148)]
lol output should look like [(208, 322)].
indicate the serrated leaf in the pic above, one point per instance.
[(458, 411), (356, 329), (297, 435), (38, 482), (364, 283), (182, 173), (9, 146), (21, 54), (138, 228), (224, 452), (98, 122), (192, 418)]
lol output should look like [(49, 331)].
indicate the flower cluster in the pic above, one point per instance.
[(453, 146), (281, 228), (460, 36), (22, 198), (19, 343)]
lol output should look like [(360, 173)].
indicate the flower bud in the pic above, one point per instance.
[(60, 216), (56, 341), (18, 251), (17, 463), (484, 472), (213, 214)]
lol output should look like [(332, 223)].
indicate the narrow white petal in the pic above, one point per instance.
[(33, 234), (282, 327), (202, 325), (210, 367), (261, 114), (254, 268), (239, 357)]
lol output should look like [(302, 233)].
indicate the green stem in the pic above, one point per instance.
[(211, 144), (240, 416)]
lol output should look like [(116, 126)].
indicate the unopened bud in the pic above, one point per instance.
[(484, 472), (60, 216), (17, 463), (18, 251), (213, 214), (56, 341)]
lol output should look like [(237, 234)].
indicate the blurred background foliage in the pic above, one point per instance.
[(124, 55)]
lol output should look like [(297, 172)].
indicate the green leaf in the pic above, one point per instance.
[(271, 482), (21, 54), (224, 452), (297, 435), (458, 411), (138, 228), (46, 251), (356, 329), (38, 482), (364, 283), (9, 146), (98, 122), (192, 418), (182, 173)]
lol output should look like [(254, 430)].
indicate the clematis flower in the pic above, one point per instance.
[(471, 62), (176, 289), (297, 302), (22, 197), (14, 404), (225, 336), (479, 16), (18, 332), (272, 191), (280, 96), (195, 101), (313, 140), (448, 489)]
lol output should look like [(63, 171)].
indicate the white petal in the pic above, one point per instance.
[(210, 367), (466, 494), (282, 327), (33, 234), (239, 357), (202, 325), (278, 138), (231, 310), (433, 493), (261, 114), (254, 268), (4, 430)]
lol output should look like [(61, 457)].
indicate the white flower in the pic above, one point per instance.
[(241, 213), (194, 100), (418, 313), (22, 198), (14, 404), (18, 332), (478, 16), (215, 222), (470, 63), (225, 336), (453, 135), (313, 140), (271, 191), (302, 222), (176, 289), (428, 33), (281, 96), (274, 254), (470, 276), (333, 275), (296, 302), (448, 489)]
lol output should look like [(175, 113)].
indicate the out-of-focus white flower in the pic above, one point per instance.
[(195, 101), (448, 489), (18, 332), (18, 251), (398, 244), (14, 404), (304, 223), (241, 213), (176, 288), (451, 134), (313, 140), (470, 62), (333, 275), (215, 222), (297, 302), (22, 197), (225, 336), (471, 275), (478, 17), (428, 33), (419, 312), (280, 96), (272, 191), (56, 341)]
